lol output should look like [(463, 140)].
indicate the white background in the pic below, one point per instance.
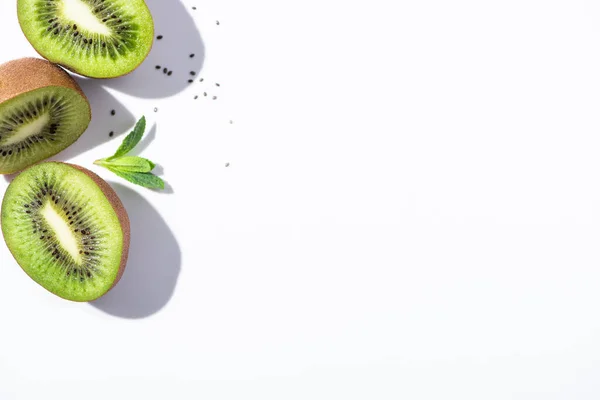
[(411, 210)]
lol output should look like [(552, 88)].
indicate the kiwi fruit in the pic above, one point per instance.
[(42, 112), (94, 38), (67, 229)]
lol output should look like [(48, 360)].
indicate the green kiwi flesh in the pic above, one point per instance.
[(67, 229), (42, 112), (95, 38)]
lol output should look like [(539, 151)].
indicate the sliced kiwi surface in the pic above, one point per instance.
[(42, 111), (95, 38), (67, 229)]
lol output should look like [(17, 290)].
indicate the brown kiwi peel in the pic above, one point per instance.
[(27, 74)]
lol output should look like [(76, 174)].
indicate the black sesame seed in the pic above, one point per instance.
[(155, 109), (111, 134), (169, 73), (214, 97), (218, 23), (192, 73), (195, 97), (158, 67), (113, 112), (217, 84), (201, 79), (159, 37), (205, 94), (193, 8), (164, 70), (190, 81), (192, 55)]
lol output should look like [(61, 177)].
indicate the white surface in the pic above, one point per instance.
[(411, 211)]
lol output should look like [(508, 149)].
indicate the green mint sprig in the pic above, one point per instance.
[(135, 169)]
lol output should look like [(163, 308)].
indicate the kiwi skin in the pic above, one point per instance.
[(27, 74), (72, 69), (117, 205)]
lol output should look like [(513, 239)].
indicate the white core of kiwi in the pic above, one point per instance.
[(81, 13), (64, 233), (32, 128)]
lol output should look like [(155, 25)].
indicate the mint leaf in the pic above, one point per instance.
[(144, 179), (127, 164), (132, 139), (132, 168)]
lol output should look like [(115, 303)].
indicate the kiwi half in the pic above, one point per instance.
[(42, 111), (67, 229), (95, 38)]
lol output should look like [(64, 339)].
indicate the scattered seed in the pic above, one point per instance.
[(169, 73), (190, 80), (192, 73), (113, 112), (158, 67), (165, 70), (111, 134), (159, 37), (192, 55)]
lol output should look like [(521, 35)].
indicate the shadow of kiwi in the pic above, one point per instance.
[(180, 39), (154, 262)]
